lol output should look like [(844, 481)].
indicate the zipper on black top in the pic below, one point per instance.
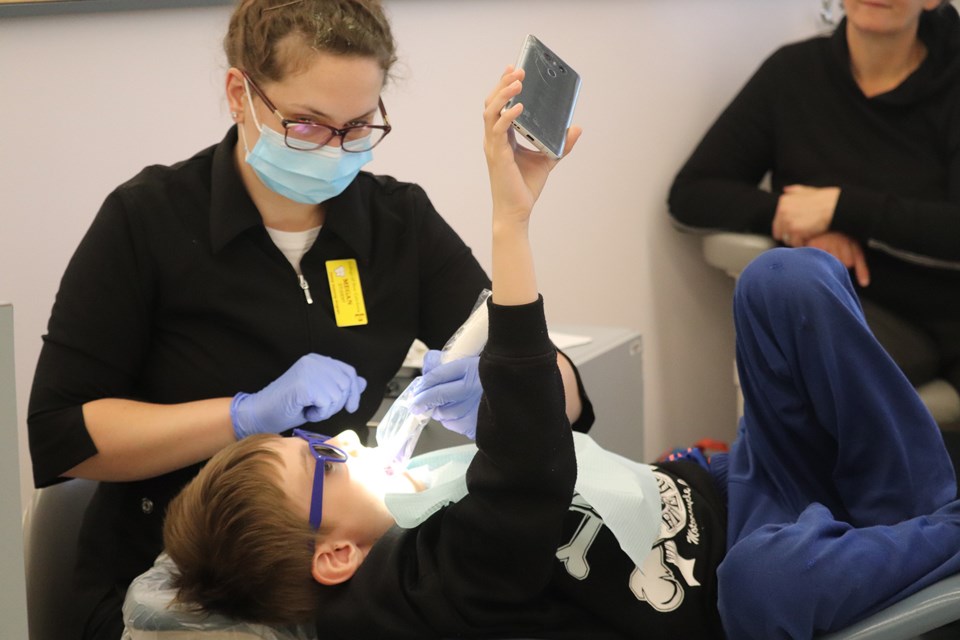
[(306, 288)]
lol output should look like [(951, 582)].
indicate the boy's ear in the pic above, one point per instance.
[(335, 561)]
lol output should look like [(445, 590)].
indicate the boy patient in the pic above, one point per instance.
[(838, 471)]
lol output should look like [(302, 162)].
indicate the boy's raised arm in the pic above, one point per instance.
[(517, 176), (496, 547)]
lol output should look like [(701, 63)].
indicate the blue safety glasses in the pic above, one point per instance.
[(324, 453)]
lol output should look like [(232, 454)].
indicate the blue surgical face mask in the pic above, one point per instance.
[(309, 177)]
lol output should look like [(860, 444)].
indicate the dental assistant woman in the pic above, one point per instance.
[(264, 283)]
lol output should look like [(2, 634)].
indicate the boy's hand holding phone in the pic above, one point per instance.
[(517, 173)]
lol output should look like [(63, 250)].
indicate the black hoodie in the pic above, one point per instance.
[(895, 156), (515, 558)]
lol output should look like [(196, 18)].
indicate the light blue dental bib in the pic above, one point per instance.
[(623, 492)]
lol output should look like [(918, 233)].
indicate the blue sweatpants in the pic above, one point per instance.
[(840, 491)]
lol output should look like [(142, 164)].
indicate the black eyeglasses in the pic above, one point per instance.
[(305, 135), (323, 453)]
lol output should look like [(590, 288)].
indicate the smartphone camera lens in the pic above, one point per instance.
[(563, 69), (551, 73)]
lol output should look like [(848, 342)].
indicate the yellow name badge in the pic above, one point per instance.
[(348, 307)]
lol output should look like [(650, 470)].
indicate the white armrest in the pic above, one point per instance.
[(731, 252), (942, 401)]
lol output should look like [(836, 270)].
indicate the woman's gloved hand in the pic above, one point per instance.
[(312, 390), (452, 390)]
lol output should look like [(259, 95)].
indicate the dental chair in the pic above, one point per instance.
[(731, 252), (150, 614), (51, 524), (50, 533)]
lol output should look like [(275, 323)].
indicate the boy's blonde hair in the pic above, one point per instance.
[(240, 548)]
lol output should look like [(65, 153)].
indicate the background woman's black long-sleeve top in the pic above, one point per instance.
[(896, 158)]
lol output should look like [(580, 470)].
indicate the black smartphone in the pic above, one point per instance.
[(549, 95)]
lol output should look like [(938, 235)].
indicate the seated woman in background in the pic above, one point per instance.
[(860, 132)]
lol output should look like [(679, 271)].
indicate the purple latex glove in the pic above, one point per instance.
[(312, 390), (452, 391)]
